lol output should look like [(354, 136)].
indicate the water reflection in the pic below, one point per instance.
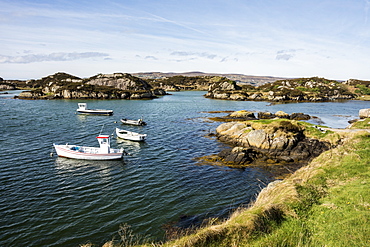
[(74, 166), (131, 147)]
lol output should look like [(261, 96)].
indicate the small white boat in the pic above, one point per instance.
[(82, 108), (129, 135), (104, 152), (138, 122)]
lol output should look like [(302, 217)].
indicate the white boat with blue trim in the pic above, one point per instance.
[(104, 152), (82, 108)]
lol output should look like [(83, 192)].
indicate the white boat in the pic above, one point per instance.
[(82, 108), (138, 122), (104, 152), (129, 135)]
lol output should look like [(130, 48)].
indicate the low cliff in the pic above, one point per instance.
[(301, 89), (114, 86)]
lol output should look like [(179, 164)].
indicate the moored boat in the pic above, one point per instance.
[(104, 152), (129, 135), (138, 122), (82, 108)]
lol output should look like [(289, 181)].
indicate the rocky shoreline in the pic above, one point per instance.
[(312, 89), (277, 141)]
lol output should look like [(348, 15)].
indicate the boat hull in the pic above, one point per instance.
[(96, 112), (133, 122), (67, 152)]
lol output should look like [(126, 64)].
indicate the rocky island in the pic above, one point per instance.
[(101, 86), (312, 89)]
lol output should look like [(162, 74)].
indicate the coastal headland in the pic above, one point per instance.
[(323, 203), (308, 205)]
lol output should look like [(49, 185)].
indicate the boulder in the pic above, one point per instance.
[(299, 116), (281, 114), (243, 114), (364, 113), (265, 115)]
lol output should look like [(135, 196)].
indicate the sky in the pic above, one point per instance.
[(283, 38)]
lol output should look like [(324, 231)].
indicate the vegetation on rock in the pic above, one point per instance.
[(300, 89), (113, 86)]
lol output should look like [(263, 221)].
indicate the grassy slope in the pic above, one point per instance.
[(326, 203)]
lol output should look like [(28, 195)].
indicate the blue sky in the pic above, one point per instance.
[(288, 38)]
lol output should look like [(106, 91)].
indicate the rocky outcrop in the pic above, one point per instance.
[(281, 114), (280, 141), (111, 86), (120, 81), (364, 113), (302, 89), (7, 86), (244, 115)]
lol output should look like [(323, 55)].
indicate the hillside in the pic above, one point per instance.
[(238, 78)]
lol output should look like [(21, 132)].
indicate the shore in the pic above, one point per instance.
[(306, 207)]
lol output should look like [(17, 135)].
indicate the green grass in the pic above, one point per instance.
[(361, 124), (334, 206)]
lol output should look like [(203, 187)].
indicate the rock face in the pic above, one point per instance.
[(282, 141), (120, 81)]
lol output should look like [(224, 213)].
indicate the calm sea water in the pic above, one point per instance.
[(51, 201)]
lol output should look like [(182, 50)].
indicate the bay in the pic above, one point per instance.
[(52, 201)]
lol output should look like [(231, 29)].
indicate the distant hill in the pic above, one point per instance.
[(238, 78)]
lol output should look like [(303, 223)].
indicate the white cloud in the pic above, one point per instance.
[(57, 56), (285, 54)]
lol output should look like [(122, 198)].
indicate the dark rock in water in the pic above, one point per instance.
[(299, 116), (282, 141), (265, 115), (238, 155), (280, 114)]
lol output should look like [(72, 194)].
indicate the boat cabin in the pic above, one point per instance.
[(82, 106), (104, 142)]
